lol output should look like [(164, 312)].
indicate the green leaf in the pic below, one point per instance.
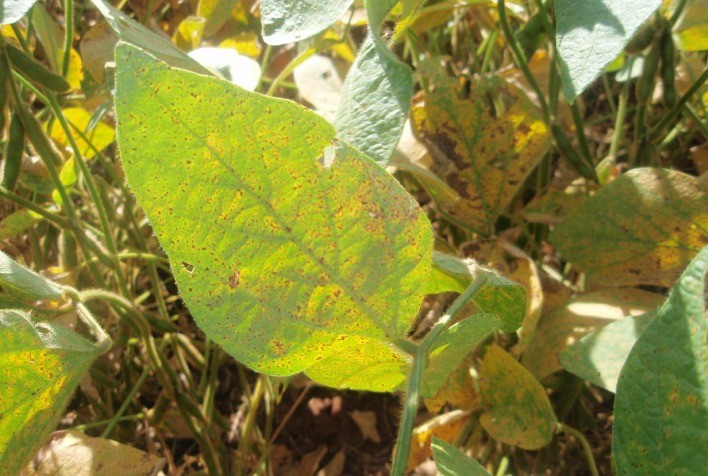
[(499, 295), (661, 407), (13, 10), (483, 154), (451, 461), (578, 317), (590, 35), (519, 413), (641, 229), (599, 357), (17, 222), (291, 249), (133, 32), (42, 364), (450, 349), (25, 282), (289, 21), (376, 93)]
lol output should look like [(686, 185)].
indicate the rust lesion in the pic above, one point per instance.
[(234, 279)]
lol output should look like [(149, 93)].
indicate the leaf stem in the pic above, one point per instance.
[(584, 444), (410, 408)]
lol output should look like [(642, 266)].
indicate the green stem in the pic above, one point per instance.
[(410, 408), (69, 35), (587, 451), (103, 340), (659, 128), (582, 138)]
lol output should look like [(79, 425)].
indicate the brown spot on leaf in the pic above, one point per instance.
[(234, 279)]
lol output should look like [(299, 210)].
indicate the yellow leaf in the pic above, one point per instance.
[(188, 35), (101, 136)]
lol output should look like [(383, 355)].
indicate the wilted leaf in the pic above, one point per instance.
[(661, 407), (458, 390), (445, 427), (484, 155), (100, 136), (289, 21), (580, 316), (643, 228), (376, 94), (97, 47), (42, 364), (589, 35), (692, 27), (451, 461), (599, 357), (301, 254), (72, 453), (519, 413)]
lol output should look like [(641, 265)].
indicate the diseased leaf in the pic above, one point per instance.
[(13, 10), (445, 427), (643, 228), (133, 32), (519, 413), (599, 357), (293, 251), (578, 317), (74, 453), (17, 222), (459, 391), (661, 407), (589, 35), (450, 349), (376, 93), (451, 461), (485, 156), (289, 21), (499, 295), (25, 282), (42, 364)]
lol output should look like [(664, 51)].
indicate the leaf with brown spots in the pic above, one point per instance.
[(42, 364), (305, 255), (484, 154), (661, 407), (519, 413), (641, 229)]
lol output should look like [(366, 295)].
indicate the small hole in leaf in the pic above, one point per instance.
[(234, 279), (188, 267)]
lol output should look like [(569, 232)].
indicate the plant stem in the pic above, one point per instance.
[(69, 35), (659, 128), (410, 408), (587, 451)]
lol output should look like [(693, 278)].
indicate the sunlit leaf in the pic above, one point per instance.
[(17, 222), (599, 357), (13, 10), (643, 228), (299, 249), (519, 412), (67, 177), (41, 366), (444, 427), (289, 21), (25, 282), (74, 453), (586, 313), (100, 136), (188, 34), (590, 35), (216, 13), (484, 155), (451, 461), (661, 406)]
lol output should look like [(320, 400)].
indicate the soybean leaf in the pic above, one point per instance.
[(289, 21), (13, 10), (590, 34), (499, 295), (661, 406), (484, 155), (643, 228), (599, 357), (17, 222), (71, 452), (578, 317), (42, 364), (451, 461), (133, 32), (22, 281), (376, 93), (292, 250), (100, 136), (453, 346), (519, 413)]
